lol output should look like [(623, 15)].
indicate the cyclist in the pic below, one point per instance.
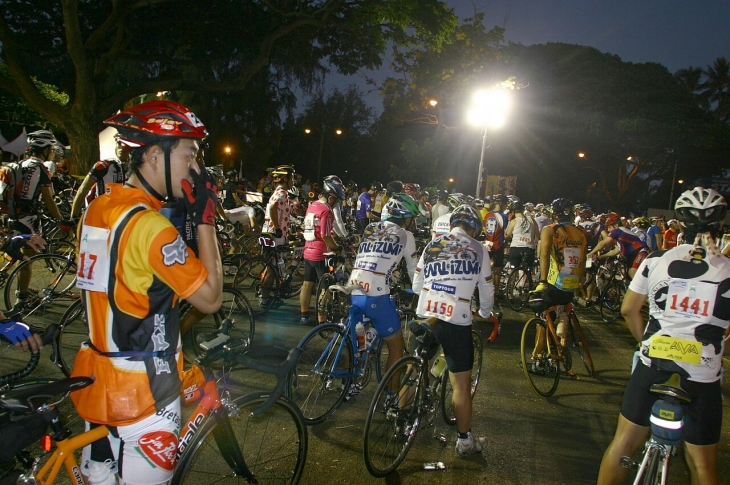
[(276, 222), (442, 224), (669, 240), (110, 170), (562, 254), (363, 212), (318, 228), (134, 268), (440, 207), (655, 232), (626, 243), (384, 244), (494, 224), (523, 236), (696, 277), (445, 280), (36, 185), (339, 227), (639, 226)]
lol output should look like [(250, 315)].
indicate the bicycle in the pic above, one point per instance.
[(666, 433), (260, 437), (519, 284), (394, 418), (545, 355), (266, 280), (333, 365), (331, 303)]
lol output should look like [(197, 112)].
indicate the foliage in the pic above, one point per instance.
[(104, 55)]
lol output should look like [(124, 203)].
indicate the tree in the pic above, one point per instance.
[(717, 87), (104, 55)]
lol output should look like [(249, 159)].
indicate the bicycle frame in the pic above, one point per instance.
[(209, 405)]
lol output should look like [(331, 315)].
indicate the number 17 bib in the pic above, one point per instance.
[(93, 271)]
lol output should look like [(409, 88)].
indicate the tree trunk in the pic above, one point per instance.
[(83, 137)]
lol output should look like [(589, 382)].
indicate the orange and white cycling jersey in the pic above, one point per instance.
[(132, 307)]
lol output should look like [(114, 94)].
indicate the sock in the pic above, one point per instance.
[(464, 436), (305, 315)]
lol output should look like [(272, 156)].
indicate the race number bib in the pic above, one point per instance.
[(93, 269), (571, 257), (310, 222), (693, 300), (441, 301), (567, 281)]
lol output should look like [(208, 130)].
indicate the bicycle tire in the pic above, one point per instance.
[(651, 474), (447, 408), (519, 285), (542, 372), (248, 281), (274, 446), (234, 306), (390, 432), (53, 286), (611, 298), (73, 331), (297, 277), (407, 315), (580, 344), (313, 387), (332, 308)]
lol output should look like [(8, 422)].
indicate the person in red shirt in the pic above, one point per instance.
[(670, 235), (318, 224)]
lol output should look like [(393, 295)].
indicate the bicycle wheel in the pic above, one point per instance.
[(577, 340), (322, 378), (406, 317), (235, 307), (327, 303), (249, 280), (51, 287), (611, 298), (393, 422), (519, 285), (447, 407), (73, 331), (539, 360), (274, 446), (295, 275)]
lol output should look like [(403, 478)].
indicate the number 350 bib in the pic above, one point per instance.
[(93, 270)]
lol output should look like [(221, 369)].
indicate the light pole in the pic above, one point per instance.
[(321, 131), (489, 108)]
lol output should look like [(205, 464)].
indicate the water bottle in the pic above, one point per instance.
[(360, 332), (339, 276), (439, 365), (370, 335), (99, 474)]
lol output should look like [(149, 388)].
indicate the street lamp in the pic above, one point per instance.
[(488, 110), (321, 131)]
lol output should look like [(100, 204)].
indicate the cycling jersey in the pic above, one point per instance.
[(629, 243), (447, 272), (651, 234), (567, 257), (229, 188), (104, 172), (364, 203), (441, 226), (592, 231), (280, 199), (383, 245), (318, 222), (641, 234), (133, 264), (689, 309), (35, 177), (494, 229), (670, 239), (524, 233)]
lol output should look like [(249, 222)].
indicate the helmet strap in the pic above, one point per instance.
[(148, 187)]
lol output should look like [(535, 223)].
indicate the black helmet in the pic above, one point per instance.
[(443, 194), (230, 174), (562, 208), (376, 186), (468, 214), (515, 205)]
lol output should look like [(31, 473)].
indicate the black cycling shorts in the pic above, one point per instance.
[(457, 344), (313, 270), (497, 257), (702, 418)]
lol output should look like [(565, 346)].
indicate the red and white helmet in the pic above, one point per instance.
[(157, 118)]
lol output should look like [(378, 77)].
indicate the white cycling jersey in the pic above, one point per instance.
[(689, 310), (447, 272), (441, 226), (384, 244)]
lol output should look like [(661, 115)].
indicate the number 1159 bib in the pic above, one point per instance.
[(93, 270)]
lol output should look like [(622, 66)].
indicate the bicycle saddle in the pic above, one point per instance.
[(671, 389), (31, 397)]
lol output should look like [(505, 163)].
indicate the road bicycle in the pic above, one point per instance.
[(332, 303), (260, 437), (545, 355), (409, 397), (519, 284), (277, 274), (666, 433), (334, 366)]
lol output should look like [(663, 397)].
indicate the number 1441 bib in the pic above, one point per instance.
[(694, 300)]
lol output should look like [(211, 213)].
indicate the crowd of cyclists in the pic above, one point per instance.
[(149, 222)]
